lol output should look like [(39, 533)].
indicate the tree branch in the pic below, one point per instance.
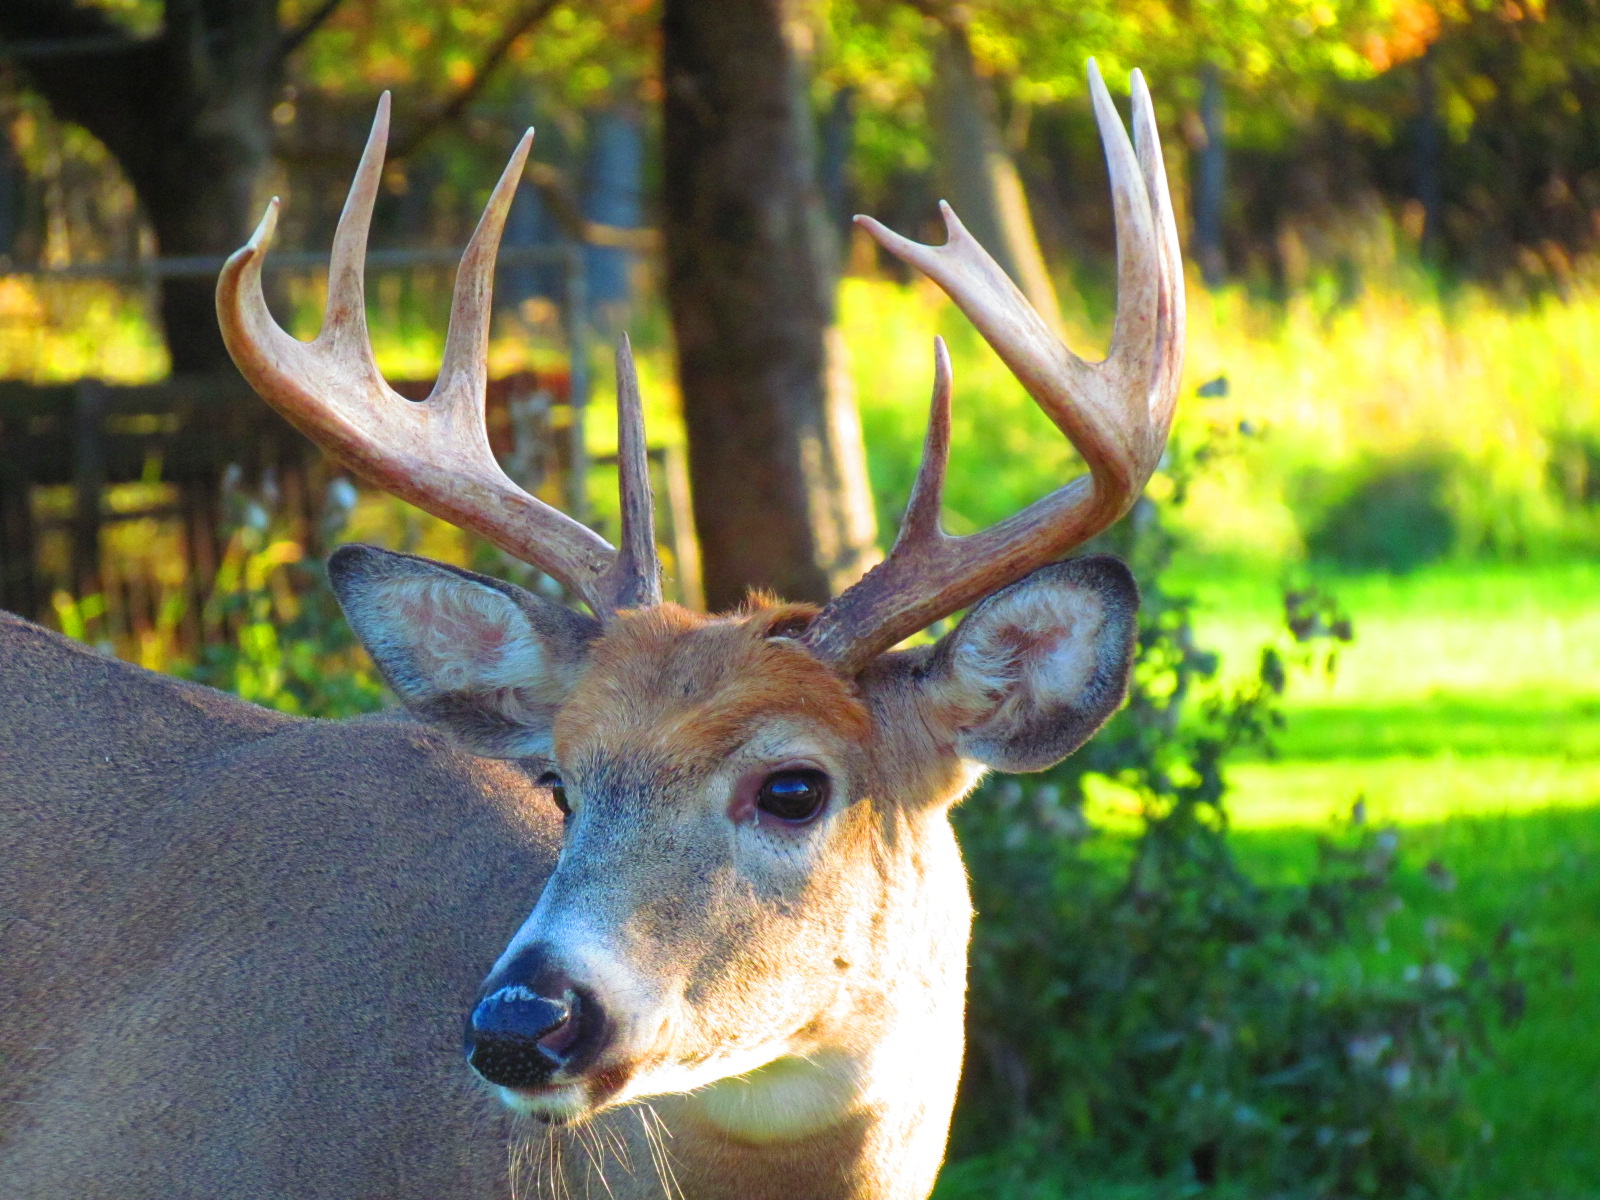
[(556, 190), (294, 38), (525, 20), (52, 21), (85, 65)]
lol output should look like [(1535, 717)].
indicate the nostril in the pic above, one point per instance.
[(517, 1038), (516, 1011), (559, 1039)]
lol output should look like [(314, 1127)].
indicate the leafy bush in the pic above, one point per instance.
[(1397, 518), (1144, 1007), (286, 643)]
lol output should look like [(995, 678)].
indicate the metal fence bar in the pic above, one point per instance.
[(575, 314), (200, 266)]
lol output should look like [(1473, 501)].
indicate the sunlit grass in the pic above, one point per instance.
[(1330, 392), (54, 332), (1467, 711), (1466, 691)]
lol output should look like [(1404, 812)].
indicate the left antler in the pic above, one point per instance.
[(435, 453), (1115, 412)]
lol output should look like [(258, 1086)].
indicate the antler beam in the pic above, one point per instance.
[(1116, 413)]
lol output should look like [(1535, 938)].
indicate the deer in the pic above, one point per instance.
[(622, 899)]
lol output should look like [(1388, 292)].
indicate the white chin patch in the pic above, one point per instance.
[(557, 1105)]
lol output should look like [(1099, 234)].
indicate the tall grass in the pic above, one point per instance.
[(1320, 395)]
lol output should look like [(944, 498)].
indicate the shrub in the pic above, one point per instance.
[(286, 644), (1142, 1007), (1396, 518)]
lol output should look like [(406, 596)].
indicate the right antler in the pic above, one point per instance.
[(435, 453), (1115, 412)]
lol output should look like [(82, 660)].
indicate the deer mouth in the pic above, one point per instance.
[(568, 1103), (556, 1104)]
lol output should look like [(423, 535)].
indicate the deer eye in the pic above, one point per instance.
[(558, 791), (795, 795)]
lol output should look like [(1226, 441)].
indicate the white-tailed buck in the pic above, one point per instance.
[(687, 880)]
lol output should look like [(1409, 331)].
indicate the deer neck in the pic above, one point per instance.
[(872, 1097)]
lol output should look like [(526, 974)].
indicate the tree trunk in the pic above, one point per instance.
[(1210, 179), (775, 455), (980, 180), (186, 115), (12, 199), (1429, 156)]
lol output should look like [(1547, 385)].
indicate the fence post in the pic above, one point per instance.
[(577, 331), (88, 481), (18, 582)]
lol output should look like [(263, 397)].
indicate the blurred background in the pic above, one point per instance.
[(1316, 914)]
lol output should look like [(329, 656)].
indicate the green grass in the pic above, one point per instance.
[(1468, 691), (1467, 711)]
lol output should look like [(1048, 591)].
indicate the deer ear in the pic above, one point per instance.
[(477, 657), (1032, 671)]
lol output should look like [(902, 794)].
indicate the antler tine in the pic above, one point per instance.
[(921, 520), (344, 322), (634, 580), (1171, 303), (436, 453), (464, 373), (1133, 337), (1115, 412)]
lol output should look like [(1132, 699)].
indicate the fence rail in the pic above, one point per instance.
[(201, 266)]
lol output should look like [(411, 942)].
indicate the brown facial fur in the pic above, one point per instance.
[(667, 679)]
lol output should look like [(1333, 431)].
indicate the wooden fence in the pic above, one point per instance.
[(78, 459)]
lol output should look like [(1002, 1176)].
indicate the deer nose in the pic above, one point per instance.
[(530, 1024)]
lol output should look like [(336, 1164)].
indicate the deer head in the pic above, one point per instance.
[(759, 900)]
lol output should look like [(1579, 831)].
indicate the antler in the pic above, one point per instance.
[(434, 453), (1115, 412)]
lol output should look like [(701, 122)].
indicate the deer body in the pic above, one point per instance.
[(682, 889), (236, 945)]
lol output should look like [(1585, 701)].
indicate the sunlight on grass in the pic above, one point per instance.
[(1501, 400), (55, 332), (1467, 711), (1466, 691)]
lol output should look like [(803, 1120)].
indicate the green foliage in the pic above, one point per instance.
[(1298, 406), (1146, 1007), (1396, 518), (1278, 58), (285, 644)]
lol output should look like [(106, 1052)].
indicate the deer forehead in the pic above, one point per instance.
[(692, 689)]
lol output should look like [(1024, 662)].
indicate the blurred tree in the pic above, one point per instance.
[(183, 108), (1279, 60), (189, 97), (979, 176), (1210, 177), (779, 473)]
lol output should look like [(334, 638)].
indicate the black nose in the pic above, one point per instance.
[(530, 1022)]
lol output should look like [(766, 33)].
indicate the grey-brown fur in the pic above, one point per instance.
[(237, 946)]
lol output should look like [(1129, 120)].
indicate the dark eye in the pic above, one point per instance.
[(796, 795), (558, 791)]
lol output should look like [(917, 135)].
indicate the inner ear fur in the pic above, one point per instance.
[(1033, 670), (481, 658)]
